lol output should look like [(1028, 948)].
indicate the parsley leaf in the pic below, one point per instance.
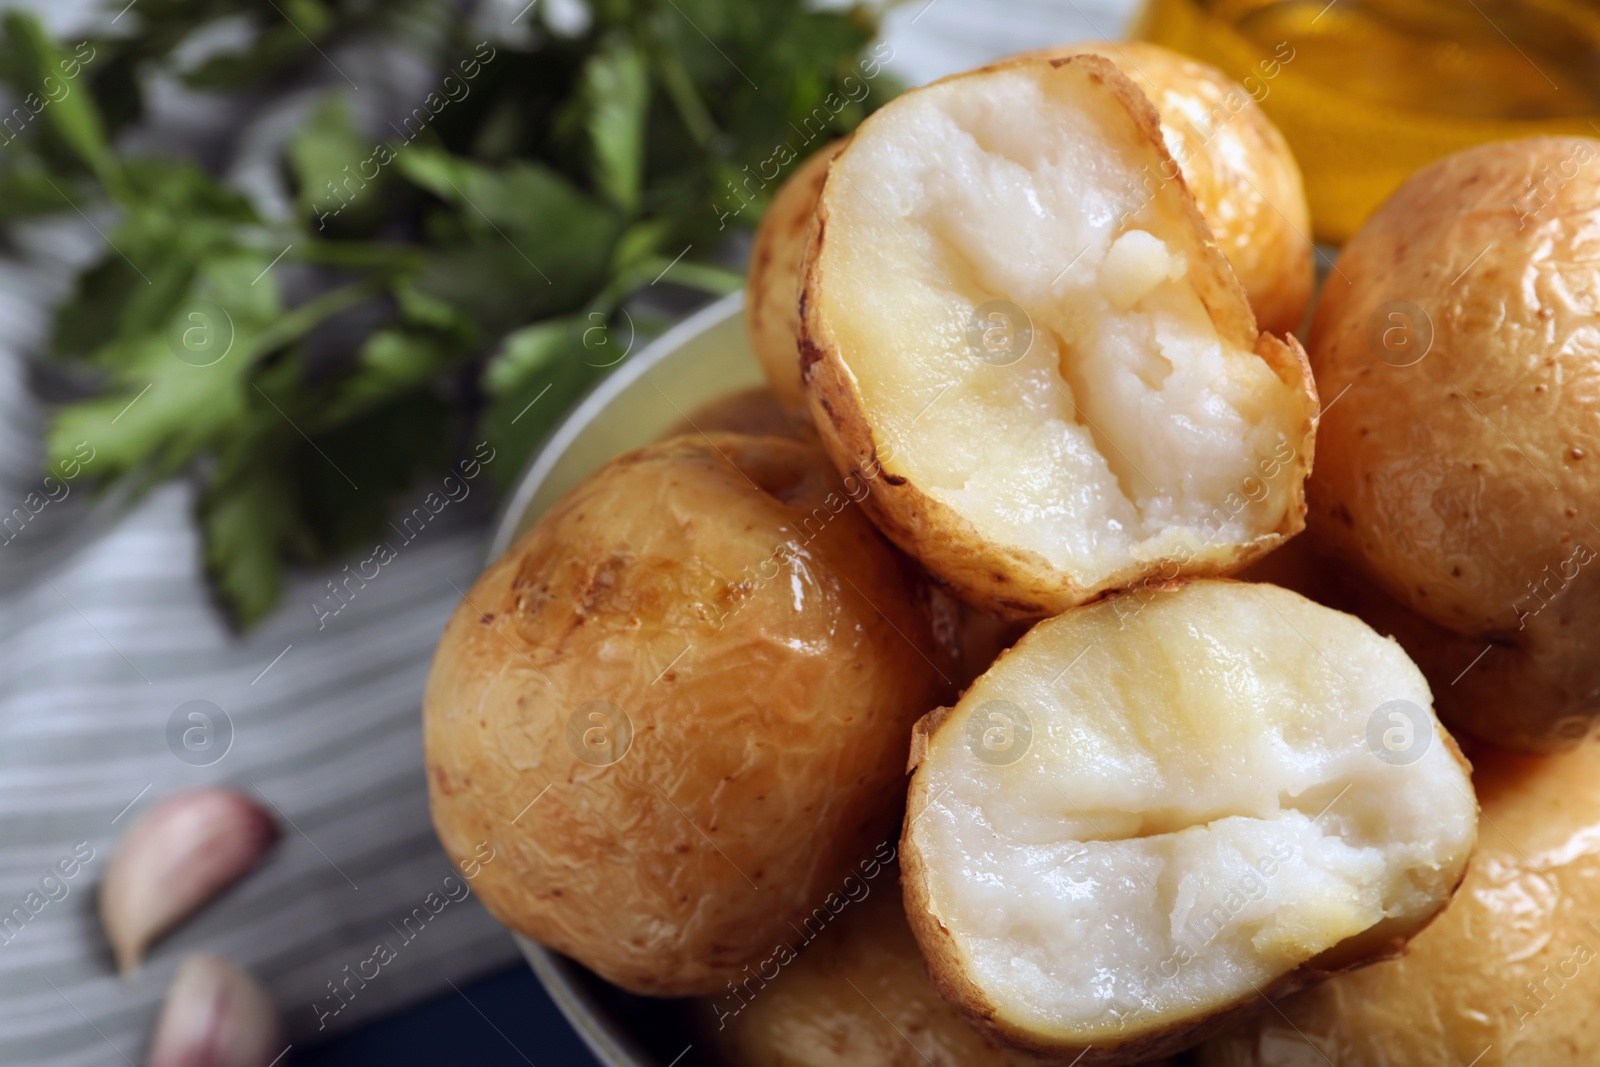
[(457, 276)]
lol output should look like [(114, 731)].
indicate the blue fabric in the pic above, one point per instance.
[(506, 1020)]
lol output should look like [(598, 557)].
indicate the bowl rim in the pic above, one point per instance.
[(594, 402), (559, 976)]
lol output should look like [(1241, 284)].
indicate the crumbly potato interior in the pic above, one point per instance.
[(1197, 813), (1129, 421)]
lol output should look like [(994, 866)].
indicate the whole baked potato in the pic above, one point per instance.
[(1459, 458), (678, 709)]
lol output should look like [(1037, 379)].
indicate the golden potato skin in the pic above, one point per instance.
[(772, 291), (1466, 483), (1016, 583), (1239, 168), (1508, 976), (858, 996), (771, 652)]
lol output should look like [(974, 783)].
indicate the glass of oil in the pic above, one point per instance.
[(1367, 91)]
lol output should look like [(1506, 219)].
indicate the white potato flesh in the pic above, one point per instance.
[(1199, 809), (1128, 420)]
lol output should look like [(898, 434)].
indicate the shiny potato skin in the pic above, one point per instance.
[(1465, 483), (1239, 168), (974, 637), (1506, 977), (772, 292), (857, 996), (770, 708)]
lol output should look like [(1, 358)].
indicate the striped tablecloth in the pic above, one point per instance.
[(107, 629)]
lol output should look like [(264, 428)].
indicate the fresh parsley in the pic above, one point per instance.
[(446, 280)]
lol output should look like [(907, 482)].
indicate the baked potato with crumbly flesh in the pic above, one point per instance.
[(1155, 810), (678, 708), (1065, 393), (1459, 459)]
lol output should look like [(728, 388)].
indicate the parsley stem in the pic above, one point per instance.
[(385, 255), (681, 91), (302, 319)]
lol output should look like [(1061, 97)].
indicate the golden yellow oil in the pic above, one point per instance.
[(1511, 59), (1373, 89)]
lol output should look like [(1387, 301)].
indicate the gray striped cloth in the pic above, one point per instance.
[(107, 630)]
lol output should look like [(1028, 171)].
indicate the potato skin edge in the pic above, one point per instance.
[(771, 290)]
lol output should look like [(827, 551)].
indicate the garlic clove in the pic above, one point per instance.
[(173, 860), (215, 1015)]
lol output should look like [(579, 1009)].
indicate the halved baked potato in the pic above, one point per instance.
[(1158, 810), (1064, 396), (1459, 460), (678, 709)]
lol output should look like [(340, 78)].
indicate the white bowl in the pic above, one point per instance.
[(701, 358)]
